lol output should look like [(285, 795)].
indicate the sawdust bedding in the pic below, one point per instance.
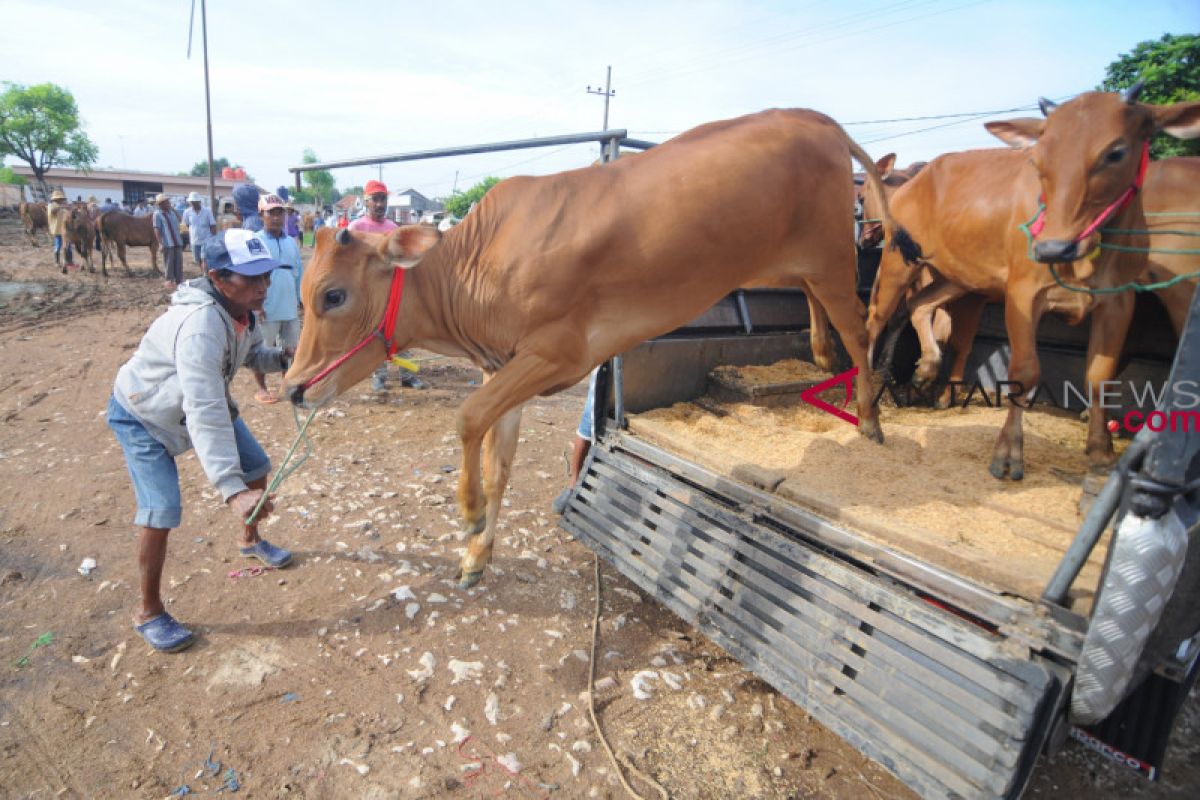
[(926, 491)]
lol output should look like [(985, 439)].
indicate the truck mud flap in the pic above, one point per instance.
[(952, 708)]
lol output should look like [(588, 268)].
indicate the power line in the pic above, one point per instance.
[(942, 116)]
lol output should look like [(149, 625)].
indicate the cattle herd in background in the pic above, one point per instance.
[(90, 227)]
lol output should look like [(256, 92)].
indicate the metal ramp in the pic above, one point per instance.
[(952, 708)]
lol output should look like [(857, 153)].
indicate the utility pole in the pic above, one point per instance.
[(608, 150), (212, 190), (607, 94)]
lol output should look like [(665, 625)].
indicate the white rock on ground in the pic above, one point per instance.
[(509, 762), (640, 683), (491, 708), (427, 662), (464, 670)]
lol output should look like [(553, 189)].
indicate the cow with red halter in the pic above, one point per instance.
[(550, 276), (1080, 170)]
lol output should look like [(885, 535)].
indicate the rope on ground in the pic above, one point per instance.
[(592, 704), (284, 470)]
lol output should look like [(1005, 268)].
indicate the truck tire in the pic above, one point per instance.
[(1144, 564)]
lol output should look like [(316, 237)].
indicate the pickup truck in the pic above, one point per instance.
[(951, 637)]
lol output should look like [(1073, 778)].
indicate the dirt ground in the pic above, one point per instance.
[(361, 671)]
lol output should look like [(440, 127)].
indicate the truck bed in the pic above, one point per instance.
[(925, 492)]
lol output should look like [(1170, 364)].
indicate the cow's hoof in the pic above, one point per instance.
[(468, 579), (1002, 468), (871, 430)]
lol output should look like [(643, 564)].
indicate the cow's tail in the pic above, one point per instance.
[(896, 236)]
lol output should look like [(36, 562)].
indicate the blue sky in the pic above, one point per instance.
[(362, 79)]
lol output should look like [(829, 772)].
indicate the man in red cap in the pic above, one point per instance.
[(376, 221)]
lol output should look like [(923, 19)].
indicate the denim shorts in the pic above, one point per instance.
[(153, 471), (587, 428)]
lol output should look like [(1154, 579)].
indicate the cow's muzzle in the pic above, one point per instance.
[(1054, 251), (296, 395)]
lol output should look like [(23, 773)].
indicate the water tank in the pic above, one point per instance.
[(227, 173)]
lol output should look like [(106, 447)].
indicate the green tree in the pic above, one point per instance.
[(1170, 68), (320, 181), (10, 177), (200, 168), (40, 125), (460, 203)]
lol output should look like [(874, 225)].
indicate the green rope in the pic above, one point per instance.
[(1172, 213), (1135, 287), (1121, 248), (284, 470), (1135, 232), (1024, 228)]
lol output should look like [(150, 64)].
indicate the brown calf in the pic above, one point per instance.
[(1172, 208), (81, 232), (34, 219), (1081, 165), (550, 276), (122, 230)]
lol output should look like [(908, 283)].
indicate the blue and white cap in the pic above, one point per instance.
[(239, 250)]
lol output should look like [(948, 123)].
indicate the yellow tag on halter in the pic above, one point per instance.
[(411, 366), (1093, 254)]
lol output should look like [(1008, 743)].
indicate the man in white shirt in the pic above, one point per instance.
[(201, 225)]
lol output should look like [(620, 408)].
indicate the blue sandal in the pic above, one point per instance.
[(165, 634), (268, 554)]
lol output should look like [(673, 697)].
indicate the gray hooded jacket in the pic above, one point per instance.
[(177, 382)]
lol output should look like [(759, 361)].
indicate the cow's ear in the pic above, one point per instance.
[(1022, 132), (885, 165), (1181, 120), (406, 244)]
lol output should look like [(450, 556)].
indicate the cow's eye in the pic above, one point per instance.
[(1116, 155), (334, 298)]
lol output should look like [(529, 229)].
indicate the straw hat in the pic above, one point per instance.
[(58, 195)]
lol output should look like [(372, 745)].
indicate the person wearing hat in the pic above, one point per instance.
[(375, 197), (291, 222), (201, 226), (170, 241), (57, 215), (173, 395), (280, 315)]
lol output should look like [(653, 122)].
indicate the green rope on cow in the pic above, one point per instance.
[(1134, 287), (1024, 228), (284, 470), (1128, 287), (1135, 232)]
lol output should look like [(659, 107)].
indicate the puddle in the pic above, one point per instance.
[(14, 288)]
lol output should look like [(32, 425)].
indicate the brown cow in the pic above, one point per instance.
[(122, 230), (80, 231), (1172, 208), (1086, 158), (34, 219), (550, 276)]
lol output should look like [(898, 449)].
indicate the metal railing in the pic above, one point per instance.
[(611, 139)]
